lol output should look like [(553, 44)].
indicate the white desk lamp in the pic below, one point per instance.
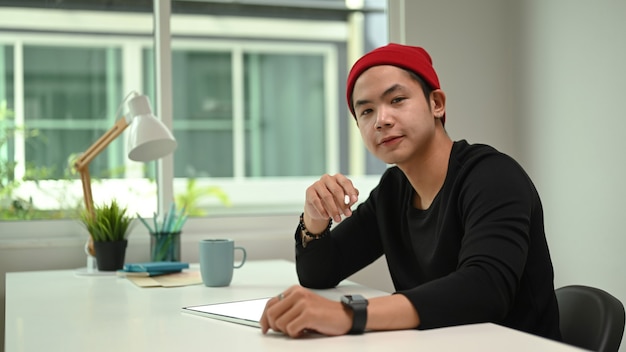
[(149, 140)]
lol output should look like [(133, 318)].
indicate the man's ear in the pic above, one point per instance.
[(438, 102)]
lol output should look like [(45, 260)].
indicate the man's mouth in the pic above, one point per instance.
[(389, 140)]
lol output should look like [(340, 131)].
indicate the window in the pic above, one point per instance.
[(258, 109), (242, 133), (69, 98)]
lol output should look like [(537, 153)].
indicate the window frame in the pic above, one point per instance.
[(243, 47)]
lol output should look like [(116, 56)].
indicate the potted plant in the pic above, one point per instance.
[(108, 227)]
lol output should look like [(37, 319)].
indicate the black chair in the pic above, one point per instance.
[(590, 318)]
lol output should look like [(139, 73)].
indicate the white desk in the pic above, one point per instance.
[(57, 310)]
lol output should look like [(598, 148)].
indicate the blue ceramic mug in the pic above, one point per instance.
[(217, 261)]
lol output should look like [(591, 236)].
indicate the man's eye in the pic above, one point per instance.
[(397, 100), (365, 112)]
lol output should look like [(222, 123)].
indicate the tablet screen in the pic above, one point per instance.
[(246, 312)]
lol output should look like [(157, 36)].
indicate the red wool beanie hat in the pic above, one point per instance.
[(412, 58)]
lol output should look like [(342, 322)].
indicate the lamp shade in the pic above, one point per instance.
[(149, 138)]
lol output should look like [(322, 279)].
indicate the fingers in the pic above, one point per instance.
[(330, 197), (268, 317), (297, 311), (279, 313)]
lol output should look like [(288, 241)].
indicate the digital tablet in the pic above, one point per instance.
[(246, 312)]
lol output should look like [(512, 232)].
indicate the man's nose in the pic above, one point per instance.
[(384, 118)]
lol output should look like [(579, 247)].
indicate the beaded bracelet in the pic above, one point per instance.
[(312, 236)]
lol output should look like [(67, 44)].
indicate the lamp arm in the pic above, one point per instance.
[(102, 142), (85, 179), (82, 166)]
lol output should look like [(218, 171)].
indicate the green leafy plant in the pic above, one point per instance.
[(108, 223), (194, 193)]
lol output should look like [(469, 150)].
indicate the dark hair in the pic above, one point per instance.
[(426, 88)]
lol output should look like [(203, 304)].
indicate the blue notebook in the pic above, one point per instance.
[(156, 267)]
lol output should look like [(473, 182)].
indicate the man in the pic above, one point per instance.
[(460, 225)]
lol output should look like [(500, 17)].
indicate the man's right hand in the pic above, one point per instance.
[(329, 197)]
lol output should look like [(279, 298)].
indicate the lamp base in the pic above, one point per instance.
[(92, 264)]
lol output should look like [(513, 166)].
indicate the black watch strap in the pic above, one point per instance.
[(358, 305)]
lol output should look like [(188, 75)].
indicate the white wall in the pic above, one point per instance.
[(472, 56), (545, 81)]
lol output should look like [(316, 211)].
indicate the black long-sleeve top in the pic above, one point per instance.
[(477, 254)]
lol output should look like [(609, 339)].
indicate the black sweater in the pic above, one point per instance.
[(477, 254)]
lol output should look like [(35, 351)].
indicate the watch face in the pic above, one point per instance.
[(353, 299)]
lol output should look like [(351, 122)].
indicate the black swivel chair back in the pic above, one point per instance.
[(590, 318)]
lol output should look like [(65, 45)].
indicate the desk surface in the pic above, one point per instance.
[(58, 310)]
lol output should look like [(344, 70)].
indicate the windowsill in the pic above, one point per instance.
[(61, 233)]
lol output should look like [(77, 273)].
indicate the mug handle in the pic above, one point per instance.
[(243, 259)]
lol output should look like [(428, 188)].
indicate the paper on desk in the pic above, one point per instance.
[(184, 278)]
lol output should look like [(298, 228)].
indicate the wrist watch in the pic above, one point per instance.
[(358, 305)]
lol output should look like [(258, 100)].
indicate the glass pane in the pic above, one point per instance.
[(284, 108), (8, 181), (203, 113), (203, 85), (67, 89), (209, 153), (6, 75)]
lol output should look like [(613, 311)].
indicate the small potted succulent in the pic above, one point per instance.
[(108, 227)]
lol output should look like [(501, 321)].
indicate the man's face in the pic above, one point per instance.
[(395, 120)]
